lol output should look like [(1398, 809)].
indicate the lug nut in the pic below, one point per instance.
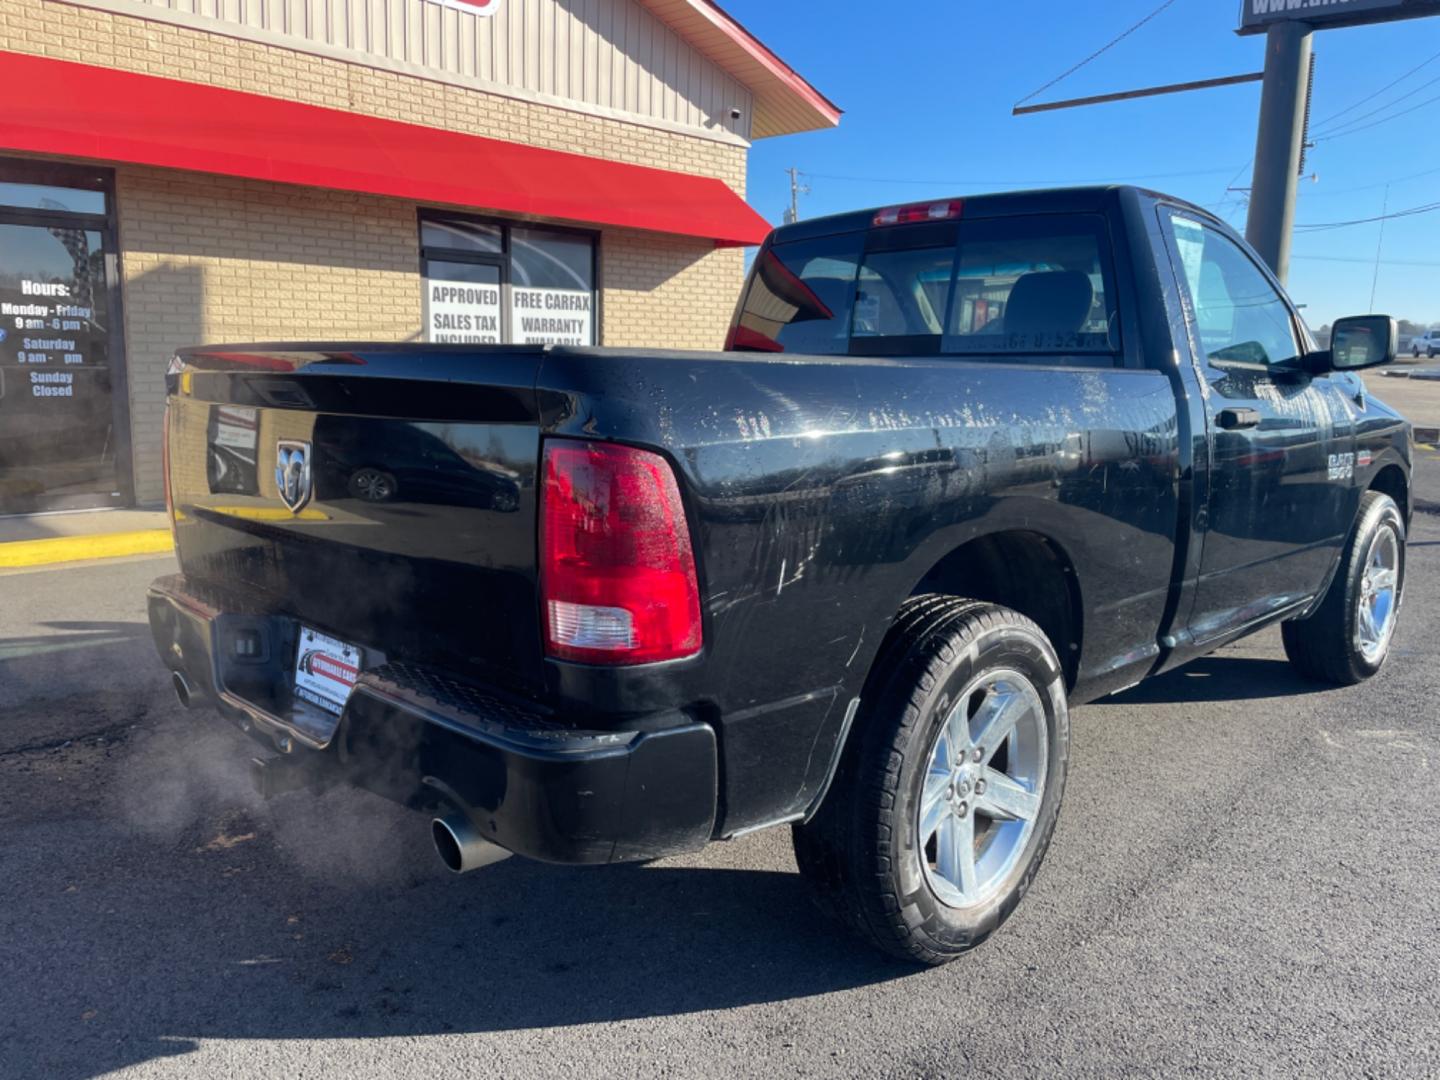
[(979, 753), (979, 787), (962, 808)]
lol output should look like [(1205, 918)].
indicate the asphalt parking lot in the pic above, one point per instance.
[(1244, 880)]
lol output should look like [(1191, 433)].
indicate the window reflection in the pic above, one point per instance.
[(51, 197)]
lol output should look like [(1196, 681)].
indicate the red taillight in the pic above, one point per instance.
[(944, 210), (165, 469), (617, 573)]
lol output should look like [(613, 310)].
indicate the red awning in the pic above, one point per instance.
[(76, 110)]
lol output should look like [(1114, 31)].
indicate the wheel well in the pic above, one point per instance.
[(1391, 481), (1021, 570)]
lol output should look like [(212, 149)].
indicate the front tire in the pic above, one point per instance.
[(372, 485), (1347, 639), (948, 794)]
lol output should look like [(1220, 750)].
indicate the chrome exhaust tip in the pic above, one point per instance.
[(183, 693), (461, 847)]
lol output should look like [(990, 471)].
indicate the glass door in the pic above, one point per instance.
[(62, 443)]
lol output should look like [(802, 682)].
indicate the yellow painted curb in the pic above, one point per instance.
[(63, 549), (268, 513)]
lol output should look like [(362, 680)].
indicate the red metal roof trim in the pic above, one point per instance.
[(762, 52), (76, 110)]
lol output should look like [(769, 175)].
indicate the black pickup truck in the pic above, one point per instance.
[(962, 466)]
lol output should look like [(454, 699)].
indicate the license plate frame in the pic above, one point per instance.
[(325, 669)]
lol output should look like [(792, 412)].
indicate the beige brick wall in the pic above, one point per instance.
[(211, 259), (668, 292)]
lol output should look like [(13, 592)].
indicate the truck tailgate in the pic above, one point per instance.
[(381, 495)]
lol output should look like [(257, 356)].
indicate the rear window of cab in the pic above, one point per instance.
[(1025, 286)]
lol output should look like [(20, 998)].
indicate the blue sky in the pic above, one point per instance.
[(927, 87)]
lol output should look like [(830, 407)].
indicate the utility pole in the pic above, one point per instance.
[(797, 189), (1379, 246), (1279, 143)]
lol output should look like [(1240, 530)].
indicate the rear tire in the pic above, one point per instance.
[(1347, 639), (953, 676)]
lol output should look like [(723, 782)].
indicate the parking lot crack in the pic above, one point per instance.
[(112, 733)]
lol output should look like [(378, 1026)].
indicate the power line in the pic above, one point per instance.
[(1370, 187), (1230, 185), (1379, 245), (1371, 97), (1367, 262), (1376, 123), (1093, 56), (984, 183), (1389, 104), (1414, 211)]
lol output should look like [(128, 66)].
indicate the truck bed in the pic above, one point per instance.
[(814, 492)]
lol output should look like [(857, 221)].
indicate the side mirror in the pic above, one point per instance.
[(1362, 341)]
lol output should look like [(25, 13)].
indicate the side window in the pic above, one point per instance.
[(1241, 318)]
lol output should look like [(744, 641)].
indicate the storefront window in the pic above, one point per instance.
[(60, 443), (462, 234), (490, 283), (552, 288)]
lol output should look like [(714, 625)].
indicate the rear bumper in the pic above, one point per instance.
[(528, 781)]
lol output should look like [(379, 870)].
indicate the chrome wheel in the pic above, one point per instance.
[(984, 781), (372, 485), (1379, 596)]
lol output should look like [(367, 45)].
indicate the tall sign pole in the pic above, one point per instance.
[(1287, 26), (1284, 101), (1279, 143)]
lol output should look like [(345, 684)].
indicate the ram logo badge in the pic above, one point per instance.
[(292, 473)]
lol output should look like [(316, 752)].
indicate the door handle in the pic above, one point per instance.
[(1234, 419)]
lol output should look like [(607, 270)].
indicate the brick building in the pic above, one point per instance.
[(183, 171)]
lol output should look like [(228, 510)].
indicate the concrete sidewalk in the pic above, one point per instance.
[(43, 539), (1416, 393)]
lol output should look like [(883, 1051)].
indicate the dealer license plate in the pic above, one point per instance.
[(325, 670)]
